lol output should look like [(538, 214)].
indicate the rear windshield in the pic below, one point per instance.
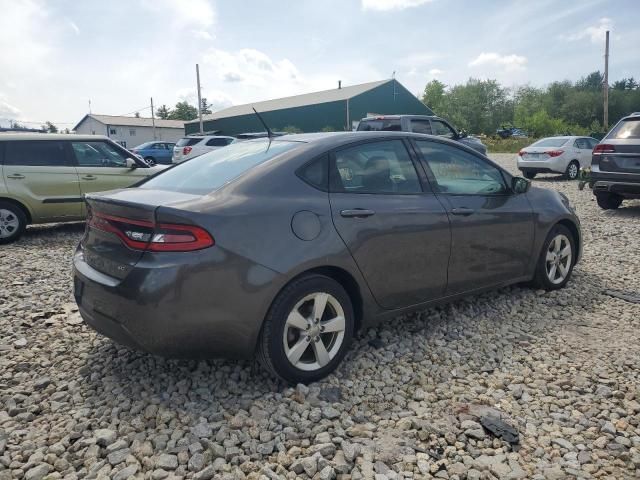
[(380, 124), (629, 128), (550, 142), (210, 171), (187, 142)]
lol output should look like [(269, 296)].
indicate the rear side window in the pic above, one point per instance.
[(316, 173), (629, 128), (218, 142), (36, 153), (188, 142), (377, 167), (421, 126), (206, 173), (380, 124)]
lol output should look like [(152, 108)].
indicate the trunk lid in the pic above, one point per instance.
[(114, 217), (537, 153), (625, 158)]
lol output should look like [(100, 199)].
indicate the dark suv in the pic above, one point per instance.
[(429, 124), (615, 166)]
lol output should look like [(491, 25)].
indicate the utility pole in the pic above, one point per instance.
[(153, 120), (199, 97), (605, 86)]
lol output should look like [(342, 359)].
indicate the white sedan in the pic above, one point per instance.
[(565, 155)]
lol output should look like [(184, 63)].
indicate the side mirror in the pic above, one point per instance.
[(131, 163), (462, 134), (520, 185)]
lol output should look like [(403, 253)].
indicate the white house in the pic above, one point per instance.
[(130, 131)]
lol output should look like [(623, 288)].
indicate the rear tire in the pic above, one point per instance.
[(13, 222), (608, 201), (573, 170), (556, 260), (529, 174), (307, 331)]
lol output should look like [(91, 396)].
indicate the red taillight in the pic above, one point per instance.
[(144, 235), (186, 150), (555, 153), (521, 153), (604, 148)]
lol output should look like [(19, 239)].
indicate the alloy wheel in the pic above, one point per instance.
[(573, 171), (558, 259), (9, 223), (314, 331)]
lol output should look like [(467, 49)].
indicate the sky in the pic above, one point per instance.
[(57, 55)]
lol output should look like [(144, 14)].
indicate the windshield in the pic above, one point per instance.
[(629, 128), (382, 124), (550, 142), (187, 142), (210, 171)]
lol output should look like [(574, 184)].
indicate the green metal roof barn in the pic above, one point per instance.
[(335, 109)]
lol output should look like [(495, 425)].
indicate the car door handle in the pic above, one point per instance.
[(463, 211), (16, 176), (357, 213), (89, 177)]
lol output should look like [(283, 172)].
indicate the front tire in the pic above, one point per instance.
[(556, 261), (13, 222), (573, 170), (608, 201), (307, 331)]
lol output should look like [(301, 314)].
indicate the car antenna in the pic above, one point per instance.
[(264, 124)]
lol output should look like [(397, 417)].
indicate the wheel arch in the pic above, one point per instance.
[(575, 233), (21, 206)]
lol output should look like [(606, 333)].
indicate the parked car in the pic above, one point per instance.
[(427, 124), (615, 168), (285, 247), (195, 145), (44, 177), (511, 132), (566, 155), (155, 152)]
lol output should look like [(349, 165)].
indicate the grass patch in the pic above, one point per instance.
[(507, 145)]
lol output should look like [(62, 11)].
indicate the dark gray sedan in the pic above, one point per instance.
[(285, 248)]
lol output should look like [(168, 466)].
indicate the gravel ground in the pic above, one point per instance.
[(561, 367)]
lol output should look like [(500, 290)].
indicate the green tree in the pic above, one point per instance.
[(205, 107), (183, 111), (163, 112), (137, 114), (49, 127), (434, 95)]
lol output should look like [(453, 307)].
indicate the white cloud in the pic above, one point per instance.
[(435, 72), (596, 33), (73, 26), (185, 13), (386, 5), (508, 62)]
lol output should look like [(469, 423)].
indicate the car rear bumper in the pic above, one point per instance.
[(542, 166), (625, 189), (174, 310)]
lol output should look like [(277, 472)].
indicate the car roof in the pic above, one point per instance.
[(50, 136), (397, 117)]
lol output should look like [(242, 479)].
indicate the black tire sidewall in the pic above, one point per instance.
[(541, 269), (608, 201), (17, 211), (273, 330), (573, 162)]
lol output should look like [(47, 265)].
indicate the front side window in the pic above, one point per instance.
[(36, 153), (421, 126), (98, 154), (442, 129), (459, 172), (377, 167)]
